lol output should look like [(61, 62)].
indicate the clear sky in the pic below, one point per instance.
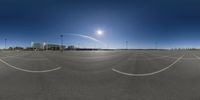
[(169, 23)]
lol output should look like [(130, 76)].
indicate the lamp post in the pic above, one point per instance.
[(61, 44), (5, 42), (126, 45)]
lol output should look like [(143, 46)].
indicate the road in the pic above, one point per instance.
[(89, 75)]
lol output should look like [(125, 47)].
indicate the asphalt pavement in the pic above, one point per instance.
[(100, 75)]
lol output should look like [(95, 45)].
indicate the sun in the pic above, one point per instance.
[(99, 32)]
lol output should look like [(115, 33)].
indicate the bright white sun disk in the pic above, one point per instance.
[(99, 32)]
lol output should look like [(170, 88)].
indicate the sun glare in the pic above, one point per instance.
[(99, 32)]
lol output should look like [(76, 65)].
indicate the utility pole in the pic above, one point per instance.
[(5, 42), (61, 44)]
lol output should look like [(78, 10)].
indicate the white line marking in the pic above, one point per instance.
[(26, 58), (148, 74), (168, 57), (30, 71), (160, 56), (16, 55), (196, 56)]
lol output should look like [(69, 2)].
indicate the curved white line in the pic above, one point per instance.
[(197, 57), (25, 58), (168, 57), (148, 74), (172, 58), (30, 71), (17, 55)]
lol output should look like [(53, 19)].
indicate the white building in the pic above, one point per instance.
[(46, 46)]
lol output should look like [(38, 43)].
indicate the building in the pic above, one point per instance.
[(18, 48), (71, 47), (46, 46), (29, 48), (37, 46), (53, 47)]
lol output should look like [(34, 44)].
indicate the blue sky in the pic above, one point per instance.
[(170, 23)]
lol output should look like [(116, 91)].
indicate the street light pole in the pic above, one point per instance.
[(61, 40), (5, 42), (126, 45)]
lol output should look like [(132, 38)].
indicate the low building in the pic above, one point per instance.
[(71, 47), (29, 48), (53, 47), (37, 46), (46, 46), (18, 48), (10, 48)]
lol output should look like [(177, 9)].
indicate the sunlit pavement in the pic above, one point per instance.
[(88, 75)]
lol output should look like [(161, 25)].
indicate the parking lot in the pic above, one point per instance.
[(100, 75)]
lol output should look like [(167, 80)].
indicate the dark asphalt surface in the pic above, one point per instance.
[(88, 75)]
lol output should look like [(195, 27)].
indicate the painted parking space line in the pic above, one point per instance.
[(30, 71), (28, 59), (16, 55), (197, 57), (148, 74)]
